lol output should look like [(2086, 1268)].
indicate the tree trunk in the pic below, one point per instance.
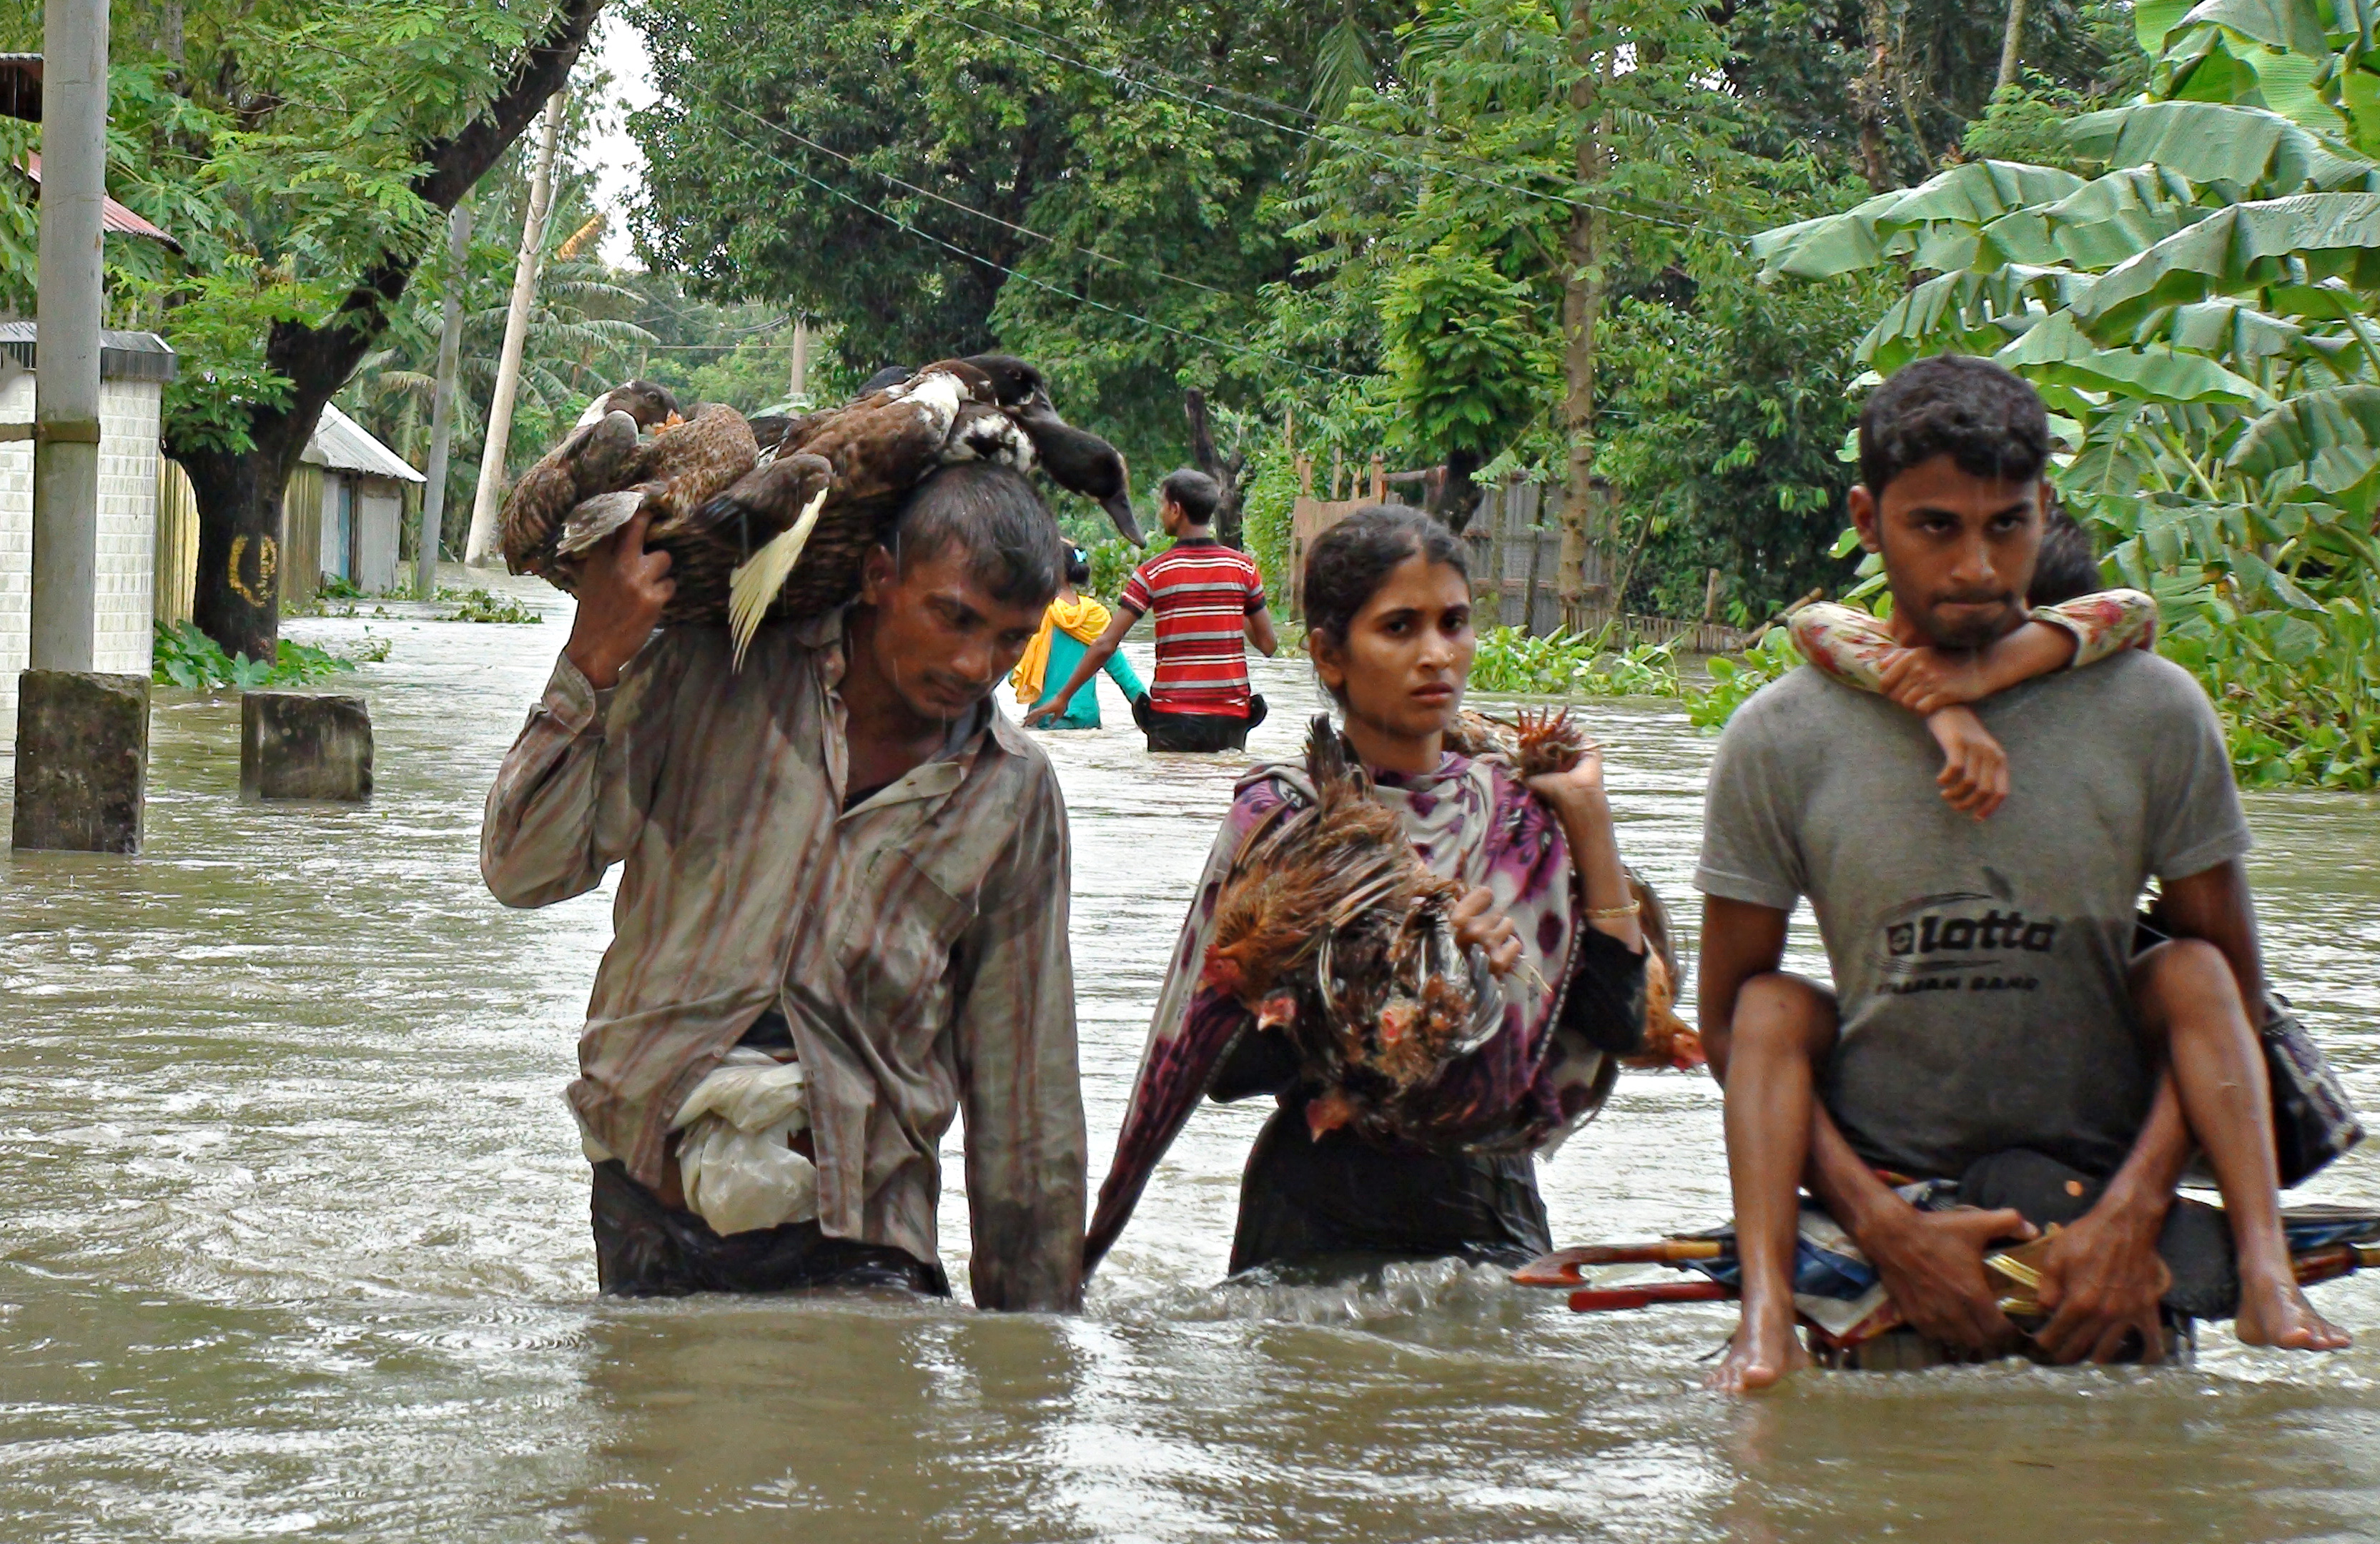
[(237, 602), (442, 405), (2011, 46), (246, 500), (1582, 312), (480, 551), (1454, 497), (1226, 473)]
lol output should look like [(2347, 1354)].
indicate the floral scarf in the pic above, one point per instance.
[(1472, 820)]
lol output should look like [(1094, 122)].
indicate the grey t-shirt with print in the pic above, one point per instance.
[(1980, 966)]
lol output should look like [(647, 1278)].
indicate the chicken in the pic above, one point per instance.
[(1333, 931), (1536, 741)]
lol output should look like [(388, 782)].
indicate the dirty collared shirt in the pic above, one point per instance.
[(916, 944)]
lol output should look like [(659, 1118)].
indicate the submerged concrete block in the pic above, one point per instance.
[(83, 761), (295, 744)]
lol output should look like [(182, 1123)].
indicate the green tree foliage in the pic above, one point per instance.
[(2201, 305), (304, 153)]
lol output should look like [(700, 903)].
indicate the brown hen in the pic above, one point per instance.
[(1332, 930)]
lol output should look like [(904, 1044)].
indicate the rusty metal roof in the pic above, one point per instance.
[(112, 215)]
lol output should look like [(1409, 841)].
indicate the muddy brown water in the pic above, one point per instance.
[(293, 1238)]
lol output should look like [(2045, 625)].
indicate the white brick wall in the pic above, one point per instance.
[(15, 548), (128, 534), (128, 526)]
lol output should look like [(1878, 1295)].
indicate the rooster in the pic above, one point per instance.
[(1335, 932), (1535, 741)]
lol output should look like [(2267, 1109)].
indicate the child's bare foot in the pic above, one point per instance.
[(1767, 1346), (2276, 1313)]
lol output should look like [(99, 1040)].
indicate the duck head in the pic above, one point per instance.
[(649, 403), (1013, 381)]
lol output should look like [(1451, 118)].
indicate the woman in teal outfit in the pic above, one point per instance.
[(1073, 620)]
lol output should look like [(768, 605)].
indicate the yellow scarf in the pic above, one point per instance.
[(1083, 619)]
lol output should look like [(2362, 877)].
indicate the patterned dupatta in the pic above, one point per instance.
[(1472, 820)]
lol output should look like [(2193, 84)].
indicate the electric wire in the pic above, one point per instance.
[(1430, 168), (969, 209), (897, 221)]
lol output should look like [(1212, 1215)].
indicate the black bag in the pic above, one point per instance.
[(2313, 1121)]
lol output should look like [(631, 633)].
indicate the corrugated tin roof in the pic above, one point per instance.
[(122, 356), (112, 215), (344, 446)]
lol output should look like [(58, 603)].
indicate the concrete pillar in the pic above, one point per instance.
[(65, 379), (82, 761), (295, 744)]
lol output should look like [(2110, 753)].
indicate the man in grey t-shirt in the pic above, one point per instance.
[(1987, 997)]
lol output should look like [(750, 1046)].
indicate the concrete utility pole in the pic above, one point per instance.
[(442, 405), (481, 551), (82, 739), (66, 382), (799, 388)]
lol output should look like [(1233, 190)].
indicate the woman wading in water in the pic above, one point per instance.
[(1388, 607)]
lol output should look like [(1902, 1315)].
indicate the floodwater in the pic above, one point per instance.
[(293, 1238)]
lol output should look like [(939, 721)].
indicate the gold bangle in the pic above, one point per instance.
[(1613, 914)]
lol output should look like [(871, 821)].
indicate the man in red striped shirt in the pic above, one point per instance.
[(1208, 598)]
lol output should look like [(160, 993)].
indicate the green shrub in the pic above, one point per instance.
[(1564, 663), (186, 657), (1734, 680)]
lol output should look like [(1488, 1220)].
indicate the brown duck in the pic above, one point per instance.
[(780, 524), (593, 458)]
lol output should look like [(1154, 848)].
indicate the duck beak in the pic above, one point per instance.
[(675, 419), (1118, 507)]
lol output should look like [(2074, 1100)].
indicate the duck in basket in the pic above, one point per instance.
[(755, 529)]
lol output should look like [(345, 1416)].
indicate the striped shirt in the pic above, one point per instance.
[(1202, 593), (916, 944)]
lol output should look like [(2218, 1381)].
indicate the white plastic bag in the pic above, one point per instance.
[(738, 1172)]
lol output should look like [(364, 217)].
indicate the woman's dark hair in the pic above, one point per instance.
[(1078, 568), (1983, 416), (1347, 565), (2068, 563)]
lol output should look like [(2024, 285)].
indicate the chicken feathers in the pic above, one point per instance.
[(1332, 930)]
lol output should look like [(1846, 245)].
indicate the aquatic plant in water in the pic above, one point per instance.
[(186, 657)]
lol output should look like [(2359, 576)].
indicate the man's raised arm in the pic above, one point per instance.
[(564, 808)]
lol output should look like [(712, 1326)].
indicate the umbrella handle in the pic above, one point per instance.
[(1606, 1299)]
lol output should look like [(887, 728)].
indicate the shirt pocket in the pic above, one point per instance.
[(895, 940)]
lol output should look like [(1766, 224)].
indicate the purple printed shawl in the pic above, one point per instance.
[(1472, 820)]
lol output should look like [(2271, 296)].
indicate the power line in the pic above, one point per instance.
[(1039, 284), (1343, 125), (1430, 168), (969, 209)]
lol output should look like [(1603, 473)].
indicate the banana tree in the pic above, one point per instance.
[(2203, 319)]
